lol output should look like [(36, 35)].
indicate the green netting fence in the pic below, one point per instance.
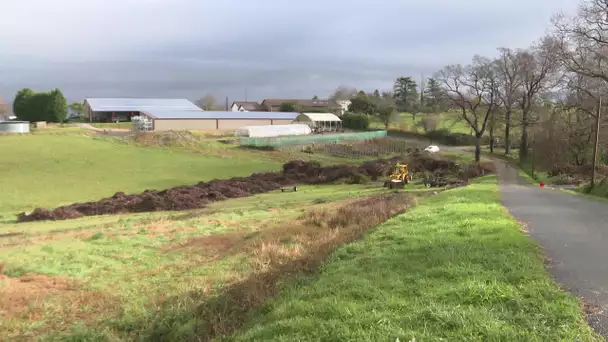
[(310, 139)]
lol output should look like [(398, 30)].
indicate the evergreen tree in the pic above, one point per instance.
[(406, 94)]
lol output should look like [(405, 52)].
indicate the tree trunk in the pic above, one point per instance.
[(492, 138), (523, 147), (477, 148), (507, 132)]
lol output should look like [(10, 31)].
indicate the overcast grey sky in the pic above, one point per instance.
[(274, 48)]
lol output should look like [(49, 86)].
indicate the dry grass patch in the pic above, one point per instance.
[(274, 255), (27, 297)]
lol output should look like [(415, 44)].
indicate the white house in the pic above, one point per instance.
[(343, 106), (245, 106)]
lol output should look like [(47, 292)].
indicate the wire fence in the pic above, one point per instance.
[(278, 142)]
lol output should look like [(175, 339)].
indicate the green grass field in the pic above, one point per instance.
[(50, 170), (449, 121), (456, 267)]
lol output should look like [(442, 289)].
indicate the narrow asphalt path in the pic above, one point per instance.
[(573, 231)]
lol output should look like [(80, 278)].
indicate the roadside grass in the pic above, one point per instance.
[(523, 169), (456, 267), (146, 274), (50, 170)]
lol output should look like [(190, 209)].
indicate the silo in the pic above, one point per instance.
[(14, 127)]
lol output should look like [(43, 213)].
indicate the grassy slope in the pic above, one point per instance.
[(49, 170), (456, 267), (62, 166), (449, 121), (122, 262)]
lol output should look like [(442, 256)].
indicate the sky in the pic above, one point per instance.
[(254, 48)]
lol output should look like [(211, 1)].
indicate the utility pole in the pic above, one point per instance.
[(597, 140), (533, 155)]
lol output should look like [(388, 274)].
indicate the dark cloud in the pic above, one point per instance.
[(185, 48)]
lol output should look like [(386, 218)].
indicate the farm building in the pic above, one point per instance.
[(165, 120), (123, 109), (320, 121)]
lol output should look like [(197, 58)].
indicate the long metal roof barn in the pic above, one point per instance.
[(318, 117), (189, 114), (139, 104)]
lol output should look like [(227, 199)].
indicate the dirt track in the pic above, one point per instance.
[(201, 194)]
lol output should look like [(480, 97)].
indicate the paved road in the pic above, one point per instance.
[(573, 232)]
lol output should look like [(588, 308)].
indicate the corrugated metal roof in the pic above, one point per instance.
[(318, 117), (188, 114), (139, 104)]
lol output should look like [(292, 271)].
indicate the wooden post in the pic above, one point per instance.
[(597, 139)]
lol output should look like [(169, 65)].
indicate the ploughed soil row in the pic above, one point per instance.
[(203, 193)]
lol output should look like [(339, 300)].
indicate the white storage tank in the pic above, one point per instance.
[(272, 131), (14, 127)]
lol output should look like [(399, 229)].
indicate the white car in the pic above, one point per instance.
[(432, 149)]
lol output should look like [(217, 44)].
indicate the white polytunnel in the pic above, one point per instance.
[(272, 131)]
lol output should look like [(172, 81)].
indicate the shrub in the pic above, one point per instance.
[(47, 106), (355, 121), (358, 178), (455, 139), (429, 123)]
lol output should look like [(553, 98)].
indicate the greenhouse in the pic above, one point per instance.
[(272, 131), (320, 122)]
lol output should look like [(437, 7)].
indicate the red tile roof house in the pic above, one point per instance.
[(5, 110), (274, 105)]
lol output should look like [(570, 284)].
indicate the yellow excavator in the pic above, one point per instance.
[(399, 178)]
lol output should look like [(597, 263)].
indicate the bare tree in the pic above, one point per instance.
[(343, 93), (509, 79), (473, 91), (207, 102), (539, 73), (583, 39)]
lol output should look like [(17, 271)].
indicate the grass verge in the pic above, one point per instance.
[(456, 267)]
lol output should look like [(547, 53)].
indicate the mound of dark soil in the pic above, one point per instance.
[(201, 194)]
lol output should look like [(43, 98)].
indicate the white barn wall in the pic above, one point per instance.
[(180, 125), (231, 124)]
